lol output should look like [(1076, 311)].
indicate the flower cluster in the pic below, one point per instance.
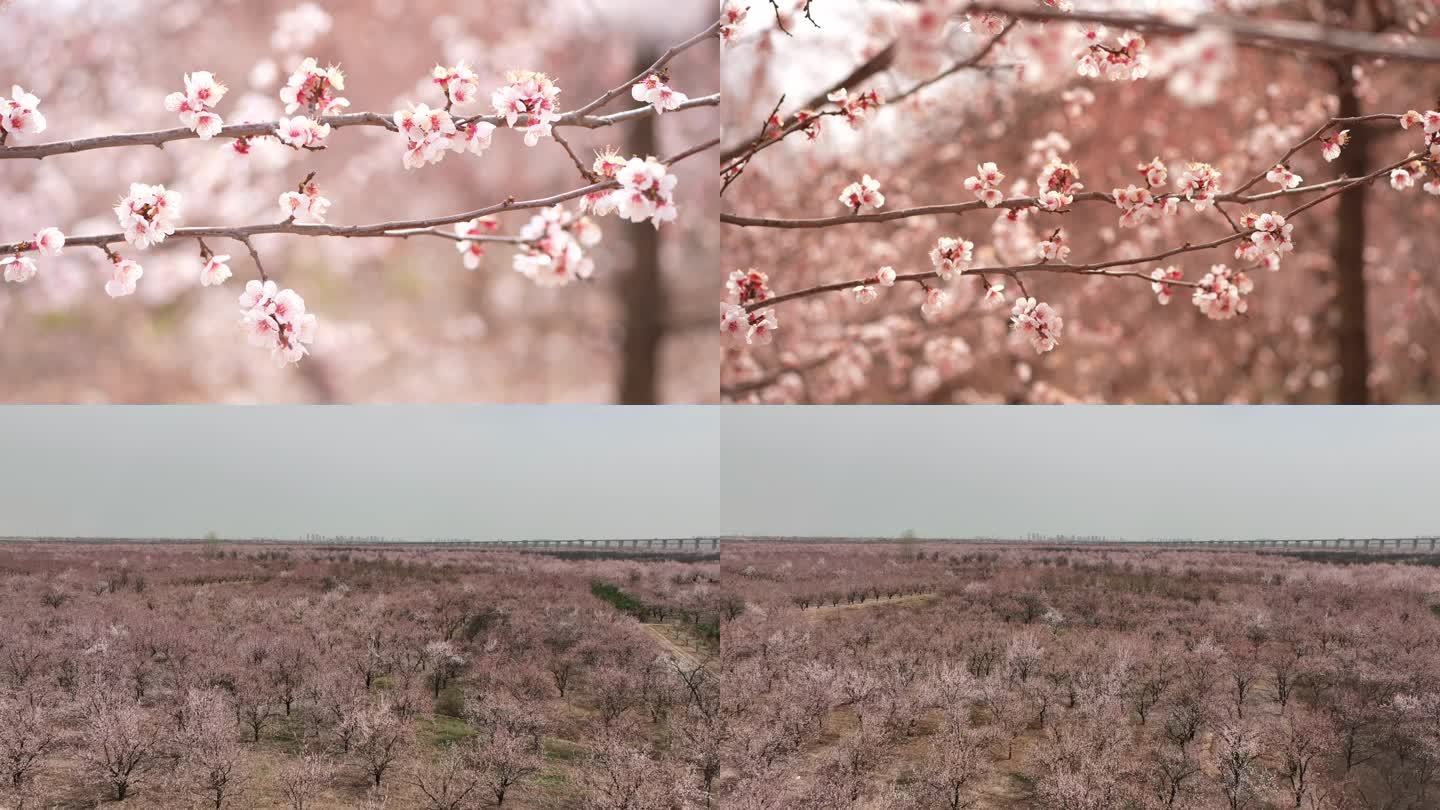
[(305, 205), (314, 89), (471, 249), (123, 276), (276, 320), (1281, 175), (20, 114), (1124, 61), (148, 214), (647, 190), (986, 184), (866, 292), (654, 91), (529, 103), (951, 256), (854, 108), (748, 286), (1054, 249), (1221, 293), (20, 269), (757, 328), (196, 105), (733, 15), (1138, 205), (1039, 323), (753, 328), (459, 83), (300, 132), (1155, 173), (1199, 184), (429, 134), (555, 242), (1161, 285), (865, 192), (1058, 185), (1270, 241)]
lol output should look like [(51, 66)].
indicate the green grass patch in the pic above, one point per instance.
[(558, 750), (442, 732)]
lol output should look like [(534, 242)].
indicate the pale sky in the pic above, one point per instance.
[(1134, 472), (405, 472)]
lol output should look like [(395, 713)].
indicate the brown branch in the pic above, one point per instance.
[(972, 62), (1273, 32), (1103, 268), (605, 98), (870, 67), (161, 137), (380, 229)]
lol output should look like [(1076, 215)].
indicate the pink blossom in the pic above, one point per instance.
[(302, 132), (951, 256), (762, 328), (1220, 293), (459, 83), (196, 104), (985, 184), (1199, 184), (732, 15), (935, 302), (20, 114), (529, 103), (123, 277), (215, 270), (865, 293), (654, 91), (1054, 249), (148, 214), (314, 89), (554, 253), (19, 269), (1162, 275), (1330, 146), (48, 241), (1038, 322), (886, 276), (1283, 177), (308, 206), (646, 191), (1155, 172), (865, 192), (471, 251), (855, 108)]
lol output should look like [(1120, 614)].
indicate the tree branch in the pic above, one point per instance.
[(1290, 33), (380, 229)]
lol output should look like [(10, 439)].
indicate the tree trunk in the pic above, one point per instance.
[(1352, 341), (642, 291)]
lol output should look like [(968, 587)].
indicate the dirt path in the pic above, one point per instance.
[(677, 643), (824, 610)]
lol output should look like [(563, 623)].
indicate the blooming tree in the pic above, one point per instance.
[(1049, 160), (549, 236)]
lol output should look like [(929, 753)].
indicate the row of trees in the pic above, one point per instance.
[(442, 680), (1088, 680)]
